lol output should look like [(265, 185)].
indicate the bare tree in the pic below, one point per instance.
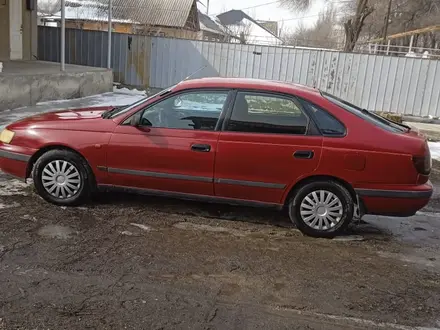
[(359, 11), (324, 33), (353, 26), (298, 5), (241, 31), (405, 15), (48, 7)]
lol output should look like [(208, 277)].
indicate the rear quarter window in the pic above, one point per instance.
[(327, 124)]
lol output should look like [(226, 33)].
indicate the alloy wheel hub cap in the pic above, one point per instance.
[(61, 179), (321, 210)]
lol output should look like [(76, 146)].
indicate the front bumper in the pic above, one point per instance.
[(14, 160), (402, 202)]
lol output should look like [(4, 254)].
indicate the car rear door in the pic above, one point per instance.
[(267, 144), (173, 150)]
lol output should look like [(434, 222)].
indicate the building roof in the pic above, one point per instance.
[(173, 13), (210, 24), (169, 13), (234, 17)]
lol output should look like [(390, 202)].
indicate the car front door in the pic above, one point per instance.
[(267, 144), (173, 149)]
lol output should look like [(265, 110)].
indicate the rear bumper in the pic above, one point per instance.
[(14, 163), (402, 202)]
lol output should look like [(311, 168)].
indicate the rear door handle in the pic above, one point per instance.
[(304, 154), (201, 147)]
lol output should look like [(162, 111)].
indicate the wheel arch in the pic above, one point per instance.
[(314, 178), (47, 148)]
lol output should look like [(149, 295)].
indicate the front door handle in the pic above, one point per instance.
[(304, 154), (201, 147)]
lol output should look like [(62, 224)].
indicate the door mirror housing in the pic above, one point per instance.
[(135, 120)]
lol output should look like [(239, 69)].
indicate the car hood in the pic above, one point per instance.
[(83, 119)]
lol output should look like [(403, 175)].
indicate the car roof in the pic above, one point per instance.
[(248, 83)]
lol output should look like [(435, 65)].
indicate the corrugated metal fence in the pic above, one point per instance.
[(375, 82)]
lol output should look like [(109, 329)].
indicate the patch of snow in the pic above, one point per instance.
[(143, 227), (28, 217), (411, 54), (434, 147), (13, 187), (9, 205), (87, 10), (122, 97), (349, 238), (127, 91), (214, 229), (429, 214), (55, 231)]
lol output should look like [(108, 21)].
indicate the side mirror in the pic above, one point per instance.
[(135, 121)]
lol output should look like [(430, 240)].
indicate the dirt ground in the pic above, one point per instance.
[(129, 262)]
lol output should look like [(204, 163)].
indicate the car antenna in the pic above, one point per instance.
[(168, 90), (192, 74)]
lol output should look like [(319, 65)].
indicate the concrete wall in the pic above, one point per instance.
[(24, 90), (4, 31)]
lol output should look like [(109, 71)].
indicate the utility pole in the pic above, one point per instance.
[(387, 22), (109, 36), (63, 36)]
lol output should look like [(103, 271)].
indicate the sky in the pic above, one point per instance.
[(266, 10)]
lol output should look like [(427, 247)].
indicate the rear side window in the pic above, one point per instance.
[(327, 124), (366, 115)]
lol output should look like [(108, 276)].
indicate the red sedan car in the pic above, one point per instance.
[(237, 141)]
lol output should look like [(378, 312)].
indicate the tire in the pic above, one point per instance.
[(71, 189), (307, 215)]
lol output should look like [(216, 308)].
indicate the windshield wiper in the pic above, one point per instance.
[(107, 114)]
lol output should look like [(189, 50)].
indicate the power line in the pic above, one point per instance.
[(302, 17), (256, 6), (263, 4)]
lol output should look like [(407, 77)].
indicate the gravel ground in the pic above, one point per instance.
[(129, 262)]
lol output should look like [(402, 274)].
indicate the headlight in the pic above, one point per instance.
[(6, 136)]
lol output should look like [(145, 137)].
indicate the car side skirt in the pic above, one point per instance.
[(193, 197)]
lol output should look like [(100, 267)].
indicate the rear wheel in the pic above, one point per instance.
[(62, 177), (322, 209)]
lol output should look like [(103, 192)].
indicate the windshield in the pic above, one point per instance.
[(121, 110), (371, 117)]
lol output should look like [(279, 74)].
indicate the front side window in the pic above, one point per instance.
[(191, 110), (267, 113)]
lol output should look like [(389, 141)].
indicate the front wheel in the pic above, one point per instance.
[(62, 177), (322, 209)]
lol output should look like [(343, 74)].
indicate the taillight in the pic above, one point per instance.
[(423, 164)]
